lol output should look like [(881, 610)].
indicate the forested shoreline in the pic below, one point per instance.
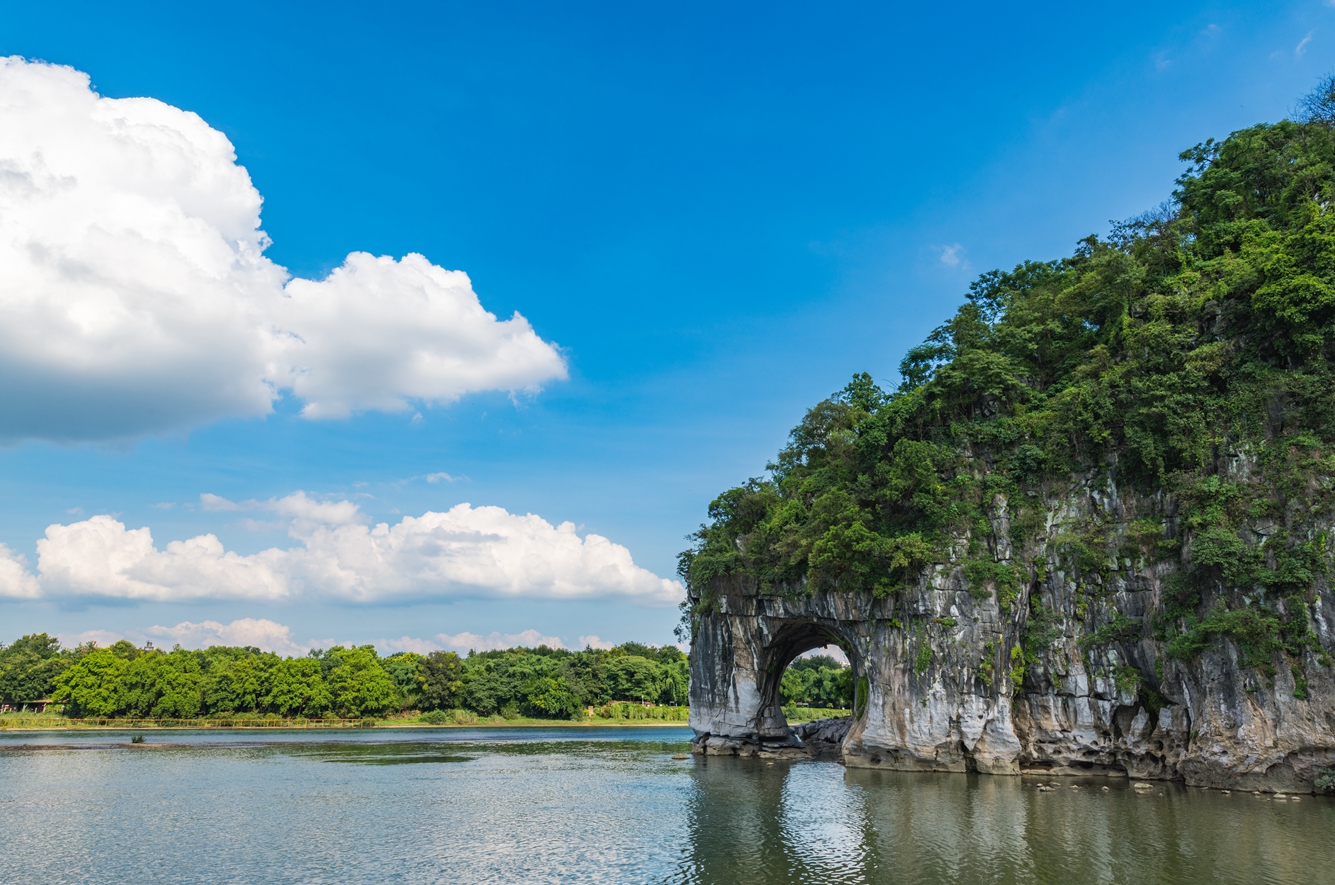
[(124, 682)]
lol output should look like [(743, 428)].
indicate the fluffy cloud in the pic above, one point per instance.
[(272, 636), (377, 333), (103, 638), (465, 551), (261, 633), (952, 255), (15, 580), (466, 642), (496, 641), (296, 506), (100, 557), (135, 296), (407, 643)]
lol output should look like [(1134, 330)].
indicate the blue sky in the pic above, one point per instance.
[(717, 214)]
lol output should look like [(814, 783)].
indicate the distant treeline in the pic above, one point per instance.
[(124, 681), (542, 682), (817, 681)]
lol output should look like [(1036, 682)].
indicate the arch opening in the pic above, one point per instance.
[(782, 684)]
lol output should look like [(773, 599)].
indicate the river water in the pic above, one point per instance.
[(599, 805)]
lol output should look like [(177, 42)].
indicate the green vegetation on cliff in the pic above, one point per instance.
[(1187, 360)]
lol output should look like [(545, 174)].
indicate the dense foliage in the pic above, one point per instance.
[(817, 681), (124, 681), (1187, 358), (28, 667)]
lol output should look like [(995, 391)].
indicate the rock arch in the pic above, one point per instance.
[(742, 647), (792, 637), (954, 675), (933, 696)]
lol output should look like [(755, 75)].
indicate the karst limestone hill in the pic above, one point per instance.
[(1091, 530)]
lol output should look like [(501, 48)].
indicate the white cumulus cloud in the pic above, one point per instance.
[(468, 550), (135, 296), (103, 638), (268, 635), (16, 582), (101, 557), (210, 502), (465, 642), (378, 332), (262, 633), (463, 552), (407, 643)]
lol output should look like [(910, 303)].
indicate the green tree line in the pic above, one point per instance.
[(817, 681), (353, 682)]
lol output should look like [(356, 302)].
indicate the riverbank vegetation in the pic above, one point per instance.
[(243, 686), (122, 681)]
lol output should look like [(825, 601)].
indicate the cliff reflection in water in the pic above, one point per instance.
[(597, 806), (753, 823)]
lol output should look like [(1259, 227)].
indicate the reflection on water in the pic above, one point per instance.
[(600, 805), (758, 823)]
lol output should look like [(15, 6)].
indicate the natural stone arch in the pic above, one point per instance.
[(742, 646), (794, 637), (940, 716)]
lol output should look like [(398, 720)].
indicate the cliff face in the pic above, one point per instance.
[(1063, 676), (1235, 713)]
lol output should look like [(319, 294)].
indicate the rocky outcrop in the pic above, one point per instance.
[(953, 677), (824, 736)]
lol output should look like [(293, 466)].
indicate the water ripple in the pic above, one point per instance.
[(603, 806)]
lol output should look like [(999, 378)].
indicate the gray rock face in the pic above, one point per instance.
[(824, 736), (949, 679)]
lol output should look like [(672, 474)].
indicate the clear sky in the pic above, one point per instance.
[(708, 217)]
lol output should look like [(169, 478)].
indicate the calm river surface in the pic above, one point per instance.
[(597, 805)]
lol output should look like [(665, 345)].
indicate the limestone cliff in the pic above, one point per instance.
[(1091, 528), (951, 679)]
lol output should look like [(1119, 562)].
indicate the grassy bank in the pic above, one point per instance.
[(610, 714), (807, 714), (619, 714)]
